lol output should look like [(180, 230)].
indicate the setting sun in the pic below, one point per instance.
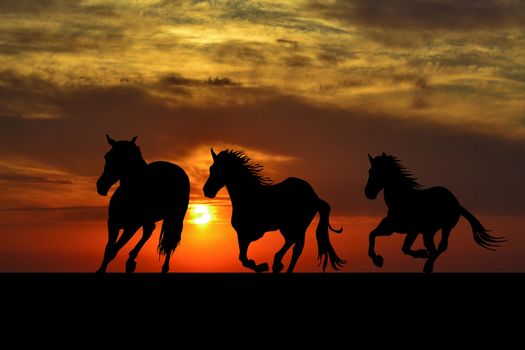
[(201, 214)]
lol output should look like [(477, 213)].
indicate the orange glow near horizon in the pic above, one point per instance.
[(59, 245)]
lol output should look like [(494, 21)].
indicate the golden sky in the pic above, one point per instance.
[(306, 88)]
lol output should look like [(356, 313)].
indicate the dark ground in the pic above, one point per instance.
[(338, 303)]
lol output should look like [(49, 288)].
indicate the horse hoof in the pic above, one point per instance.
[(421, 254), (131, 265), (262, 268), (429, 267), (378, 261), (277, 267)]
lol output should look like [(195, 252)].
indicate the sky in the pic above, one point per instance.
[(306, 88)]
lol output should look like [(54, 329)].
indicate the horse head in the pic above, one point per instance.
[(118, 161), (376, 181), (216, 180)]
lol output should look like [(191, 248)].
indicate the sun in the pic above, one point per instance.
[(201, 214)]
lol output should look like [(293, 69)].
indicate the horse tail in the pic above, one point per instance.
[(325, 249), (170, 235), (480, 233), (171, 232)]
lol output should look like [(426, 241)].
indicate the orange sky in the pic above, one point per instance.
[(306, 88)]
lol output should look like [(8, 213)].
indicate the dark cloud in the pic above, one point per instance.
[(297, 61), (69, 36), (421, 88), (234, 52), (431, 15), (16, 91), (330, 145), (335, 54), (290, 43), (177, 80), (273, 15), (217, 81), (13, 176), (29, 8), (61, 214)]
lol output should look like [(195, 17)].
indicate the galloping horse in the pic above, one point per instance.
[(147, 193), (259, 207), (412, 210)]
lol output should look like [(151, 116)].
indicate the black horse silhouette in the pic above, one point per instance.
[(259, 207), (412, 210), (147, 193)]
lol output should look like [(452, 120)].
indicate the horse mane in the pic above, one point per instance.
[(241, 161), (405, 176)]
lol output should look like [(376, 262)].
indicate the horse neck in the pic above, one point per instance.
[(134, 174), (240, 189), (395, 191)]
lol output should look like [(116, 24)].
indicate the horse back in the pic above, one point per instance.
[(430, 208), (163, 188)]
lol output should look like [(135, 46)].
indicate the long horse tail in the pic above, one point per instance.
[(325, 249), (171, 232), (481, 235)]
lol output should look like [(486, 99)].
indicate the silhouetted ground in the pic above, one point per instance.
[(343, 303)]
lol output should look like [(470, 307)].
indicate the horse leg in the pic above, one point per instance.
[(443, 244), (407, 247), (428, 240), (147, 231), (129, 231), (278, 259), (297, 251), (383, 229), (248, 263), (109, 252)]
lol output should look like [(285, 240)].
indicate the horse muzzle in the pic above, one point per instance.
[(102, 188), (370, 194), (209, 194), (208, 191)]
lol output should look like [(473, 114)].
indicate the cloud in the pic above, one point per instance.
[(289, 43), (177, 80), (427, 15), (329, 145), (298, 61), (18, 177), (237, 51)]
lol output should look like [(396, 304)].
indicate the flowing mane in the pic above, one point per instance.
[(395, 169), (238, 161)]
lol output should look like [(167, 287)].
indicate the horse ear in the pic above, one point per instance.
[(134, 139), (213, 154), (370, 158), (110, 140)]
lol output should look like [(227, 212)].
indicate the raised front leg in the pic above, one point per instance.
[(383, 229), (131, 264), (110, 251), (248, 263), (407, 247)]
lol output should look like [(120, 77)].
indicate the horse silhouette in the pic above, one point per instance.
[(259, 207), (147, 194), (413, 211)]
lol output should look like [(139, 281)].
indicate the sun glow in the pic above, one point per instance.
[(201, 214)]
